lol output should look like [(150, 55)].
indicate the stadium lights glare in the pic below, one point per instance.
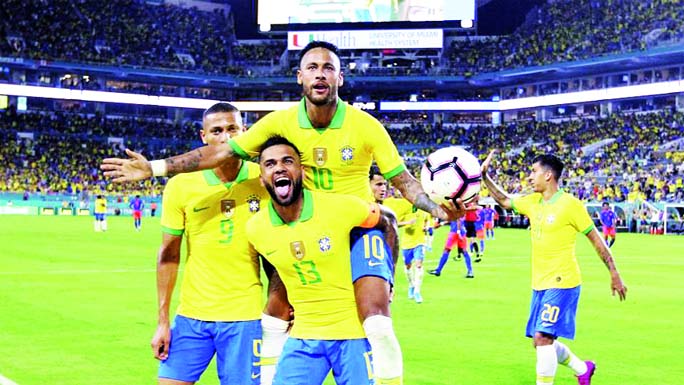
[(616, 93), (127, 98)]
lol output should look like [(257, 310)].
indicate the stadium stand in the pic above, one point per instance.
[(176, 38)]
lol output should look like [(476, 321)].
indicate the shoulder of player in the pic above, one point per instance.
[(254, 171), (571, 199), (334, 201), (368, 120), (274, 118), (176, 183)]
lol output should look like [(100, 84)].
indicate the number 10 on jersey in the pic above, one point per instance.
[(322, 178)]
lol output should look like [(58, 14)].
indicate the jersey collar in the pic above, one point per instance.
[(554, 198), (213, 179), (307, 211), (337, 119)]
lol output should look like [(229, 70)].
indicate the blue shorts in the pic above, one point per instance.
[(308, 362), (415, 254), (430, 231), (99, 217), (194, 343), (370, 255), (553, 312)]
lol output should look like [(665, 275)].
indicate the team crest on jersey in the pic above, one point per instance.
[(324, 244), (320, 156), (254, 203), (347, 154), (228, 207), (550, 219), (297, 249)]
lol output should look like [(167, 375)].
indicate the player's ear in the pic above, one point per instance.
[(340, 80), (299, 77), (201, 134)]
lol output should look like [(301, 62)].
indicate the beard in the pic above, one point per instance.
[(320, 101), (296, 193)]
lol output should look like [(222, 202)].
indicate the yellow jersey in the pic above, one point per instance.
[(100, 206), (410, 236), (554, 226), (221, 281), (336, 158), (312, 258)]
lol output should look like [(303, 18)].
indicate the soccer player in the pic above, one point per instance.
[(411, 242), (471, 219), (457, 235), (137, 206), (100, 213), (378, 184), (480, 235), (305, 235), (338, 144), (608, 220), (221, 293), (489, 215), (429, 230), (555, 219)]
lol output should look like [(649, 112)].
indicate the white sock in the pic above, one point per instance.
[(274, 336), (103, 224), (97, 225), (567, 358), (387, 360), (547, 363), (418, 274), (409, 276)]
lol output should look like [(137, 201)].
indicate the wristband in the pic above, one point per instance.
[(158, 167)]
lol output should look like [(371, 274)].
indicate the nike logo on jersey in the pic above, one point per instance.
[(546, 324), (256, 375), (371, 263), (195, 209)]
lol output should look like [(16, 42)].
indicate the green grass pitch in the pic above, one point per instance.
[(79, 307)]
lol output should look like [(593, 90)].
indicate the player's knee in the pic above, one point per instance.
[(372, 296), (378, 328), (541, 339)]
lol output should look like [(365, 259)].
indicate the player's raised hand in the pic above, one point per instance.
[(136, 167), (161, 341), (618, 287), (485, 165)]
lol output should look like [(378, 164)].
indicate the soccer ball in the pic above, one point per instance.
[(451, 173)]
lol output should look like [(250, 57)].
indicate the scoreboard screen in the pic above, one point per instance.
[(360, 14)]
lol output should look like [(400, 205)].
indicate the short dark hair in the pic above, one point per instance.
[(374, 170), (551, 162), (219, 107), (319, 44), (606, 204), (278, 140)]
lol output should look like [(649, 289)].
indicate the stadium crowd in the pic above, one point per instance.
[(59, 153), (62, 157), (628, 167), (573, 30), (129, 32)]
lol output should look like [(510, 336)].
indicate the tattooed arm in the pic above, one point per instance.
[(412, 191), (137, 167)]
